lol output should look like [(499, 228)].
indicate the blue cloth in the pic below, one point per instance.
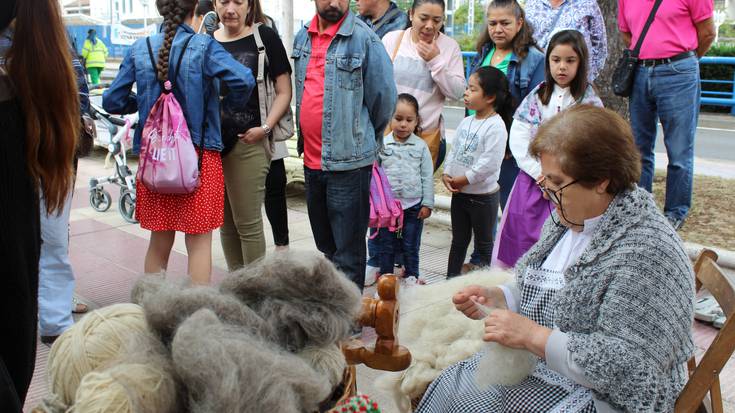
[(669, 93), (393, 19), (81, 85), (359, 94), (339, 209), (55, 276), (523, 75), (409, 169), (205, 61), (389, 244)]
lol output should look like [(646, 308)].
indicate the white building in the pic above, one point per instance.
[(303, 12), (112, 11)]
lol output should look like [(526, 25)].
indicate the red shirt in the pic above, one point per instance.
[(312, 100)]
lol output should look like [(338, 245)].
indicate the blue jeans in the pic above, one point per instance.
[(338, 205), (408, 244), (55, 275), (669, 93)]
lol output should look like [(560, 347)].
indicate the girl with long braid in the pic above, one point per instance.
[(199, 213)]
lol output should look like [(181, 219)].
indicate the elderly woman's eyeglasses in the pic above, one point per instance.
[(554, 196)]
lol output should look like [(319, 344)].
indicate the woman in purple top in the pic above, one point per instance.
[(550, 16)]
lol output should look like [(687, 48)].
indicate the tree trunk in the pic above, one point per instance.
[(615, 47)]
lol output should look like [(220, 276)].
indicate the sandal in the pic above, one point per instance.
[(79, 307)]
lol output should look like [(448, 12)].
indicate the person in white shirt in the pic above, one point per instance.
[(472, 167), (566, 85)]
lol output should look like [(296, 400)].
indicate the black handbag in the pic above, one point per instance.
[(624, 74)]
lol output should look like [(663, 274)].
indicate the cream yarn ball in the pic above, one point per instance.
[(91, 343), (127, 388)]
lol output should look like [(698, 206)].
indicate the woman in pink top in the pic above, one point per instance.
[(428, 65)]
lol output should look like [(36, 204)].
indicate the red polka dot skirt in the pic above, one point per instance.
[(199, 212)]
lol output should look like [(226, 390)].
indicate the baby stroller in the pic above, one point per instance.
[(99, 198)]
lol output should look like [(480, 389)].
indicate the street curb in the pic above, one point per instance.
[(440, 217)]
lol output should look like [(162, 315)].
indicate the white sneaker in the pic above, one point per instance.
[(409, 282), (371, 275)]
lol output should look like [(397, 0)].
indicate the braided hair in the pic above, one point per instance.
[(174, 12)]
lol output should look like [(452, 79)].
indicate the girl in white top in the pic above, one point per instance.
[(428, 65), (565, 85), (473, 166)]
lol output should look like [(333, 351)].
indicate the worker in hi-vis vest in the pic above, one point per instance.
[(94, 53)]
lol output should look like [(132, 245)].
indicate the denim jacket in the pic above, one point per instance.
[(393, 19), (196, 86), (359, 94), (409, 169), (523, 75)]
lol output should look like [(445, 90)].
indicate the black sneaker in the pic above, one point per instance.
[(48, 340)]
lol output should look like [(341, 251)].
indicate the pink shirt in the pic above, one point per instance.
[(312, 101), (432, 82), (673, 30)]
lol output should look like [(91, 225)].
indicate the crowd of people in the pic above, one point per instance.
[(572, 179)]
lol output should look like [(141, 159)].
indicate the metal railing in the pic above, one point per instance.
[(709, 97)]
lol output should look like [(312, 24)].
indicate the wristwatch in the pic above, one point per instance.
[(267, 129)]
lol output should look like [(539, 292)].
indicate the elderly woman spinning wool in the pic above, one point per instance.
[(604, 299)]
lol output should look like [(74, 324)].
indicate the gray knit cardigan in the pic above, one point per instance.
[(627, 305)]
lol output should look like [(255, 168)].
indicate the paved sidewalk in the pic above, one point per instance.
[(107, 256)]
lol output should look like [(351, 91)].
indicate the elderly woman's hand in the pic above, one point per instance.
[(516, 331), (464, 300)]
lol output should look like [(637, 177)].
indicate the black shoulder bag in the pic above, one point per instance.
[(624, 74)]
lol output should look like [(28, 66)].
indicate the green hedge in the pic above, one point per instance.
[(718, 72)]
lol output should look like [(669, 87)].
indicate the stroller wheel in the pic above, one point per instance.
[(100, 200), (126, 206)]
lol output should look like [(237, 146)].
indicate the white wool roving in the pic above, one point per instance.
[(502, 365), (438, 336)]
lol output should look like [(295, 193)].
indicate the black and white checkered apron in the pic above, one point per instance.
[(543, 391)]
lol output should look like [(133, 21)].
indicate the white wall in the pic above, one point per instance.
[(303, 11)]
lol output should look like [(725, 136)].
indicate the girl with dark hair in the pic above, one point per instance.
[(473, 165), (199, 213), (428, 65), (39, 126), (408, 166), (508, 45), (565, 85), (249, 146)]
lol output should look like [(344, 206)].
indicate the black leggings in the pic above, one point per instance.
[(275, 202), (472, 214)]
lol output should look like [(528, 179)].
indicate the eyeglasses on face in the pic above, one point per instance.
[(554, 195)]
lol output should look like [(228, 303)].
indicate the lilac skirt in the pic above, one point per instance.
[(520, 225)]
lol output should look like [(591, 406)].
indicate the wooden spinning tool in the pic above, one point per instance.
[(382, 314)]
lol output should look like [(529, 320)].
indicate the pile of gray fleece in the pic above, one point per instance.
[(265, 339)]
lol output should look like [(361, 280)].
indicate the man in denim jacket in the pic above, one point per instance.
[(345, 96), (383, 16)]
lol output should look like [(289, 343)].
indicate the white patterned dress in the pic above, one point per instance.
[(544, 390)]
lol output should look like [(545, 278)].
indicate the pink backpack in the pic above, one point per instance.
[(385, 210), (169, 163)]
